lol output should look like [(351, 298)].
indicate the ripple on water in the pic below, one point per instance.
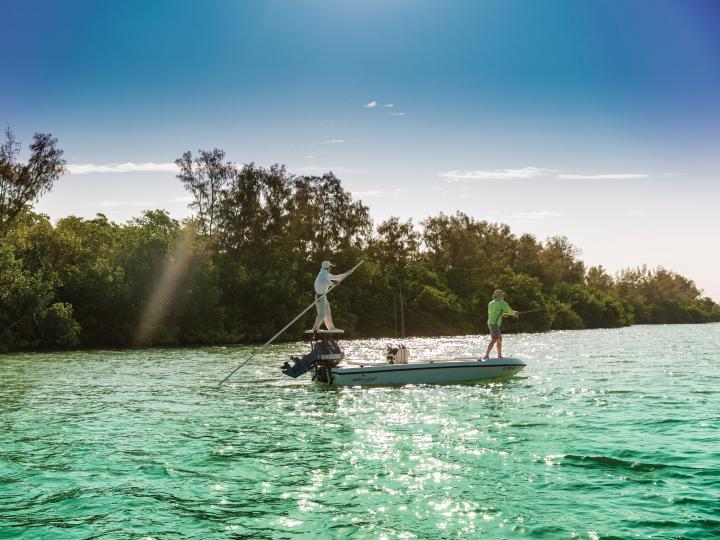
[(601, 437)]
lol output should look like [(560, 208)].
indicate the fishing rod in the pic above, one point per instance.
[(288, 325), (559, 308)]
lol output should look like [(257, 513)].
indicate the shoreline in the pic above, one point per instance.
[(173, 347)]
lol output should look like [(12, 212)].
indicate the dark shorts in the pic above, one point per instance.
[(494, 331)]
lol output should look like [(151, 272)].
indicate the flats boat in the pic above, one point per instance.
[(328, 365)]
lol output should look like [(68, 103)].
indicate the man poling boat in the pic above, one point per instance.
[(323, 282), (288, 325)]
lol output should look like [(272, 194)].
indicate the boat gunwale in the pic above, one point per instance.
[(389, 368)]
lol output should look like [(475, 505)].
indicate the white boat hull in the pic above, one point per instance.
[(440, 372)]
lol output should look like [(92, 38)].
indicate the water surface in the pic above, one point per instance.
[(607, 434)]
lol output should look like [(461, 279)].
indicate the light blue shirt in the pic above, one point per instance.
[(323, 281)]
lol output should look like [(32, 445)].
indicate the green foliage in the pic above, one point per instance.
[(437, 312), (247, 265), (205, 177), (664, 297), (595, 308), (559, 262), (565, 318), (57, 328), (28, 316), (21, 184), (526, 294)]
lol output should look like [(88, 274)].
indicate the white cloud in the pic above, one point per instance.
[(334, 141), (618, 176), (371, 105), (536, 172), (497, 174), (308, 156), (397, 114), (121, 168), (544, 214), (389, 105)]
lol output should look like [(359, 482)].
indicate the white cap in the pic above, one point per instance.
[(326, 264)]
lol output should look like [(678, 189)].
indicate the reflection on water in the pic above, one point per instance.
[(606, 433)]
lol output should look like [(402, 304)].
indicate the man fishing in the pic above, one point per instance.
[(497, 308), (322, 282)]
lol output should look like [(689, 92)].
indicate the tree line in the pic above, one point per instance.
[(244, 265)]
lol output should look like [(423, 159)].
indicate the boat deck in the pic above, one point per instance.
[(412, 362)]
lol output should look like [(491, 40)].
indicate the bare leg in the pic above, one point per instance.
[(489, 348), (499, 347)]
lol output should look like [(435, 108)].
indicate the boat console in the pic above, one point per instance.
[(397, 355)]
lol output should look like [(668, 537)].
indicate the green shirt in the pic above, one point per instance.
[(496, 309)]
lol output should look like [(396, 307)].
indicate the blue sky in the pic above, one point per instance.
[(596, 120)]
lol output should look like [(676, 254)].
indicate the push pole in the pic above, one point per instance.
[(288, 325), (402, 315)]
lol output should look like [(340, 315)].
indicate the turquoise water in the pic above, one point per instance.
[(607, 434)]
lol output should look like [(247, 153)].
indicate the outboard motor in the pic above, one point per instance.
[(325, 353)]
